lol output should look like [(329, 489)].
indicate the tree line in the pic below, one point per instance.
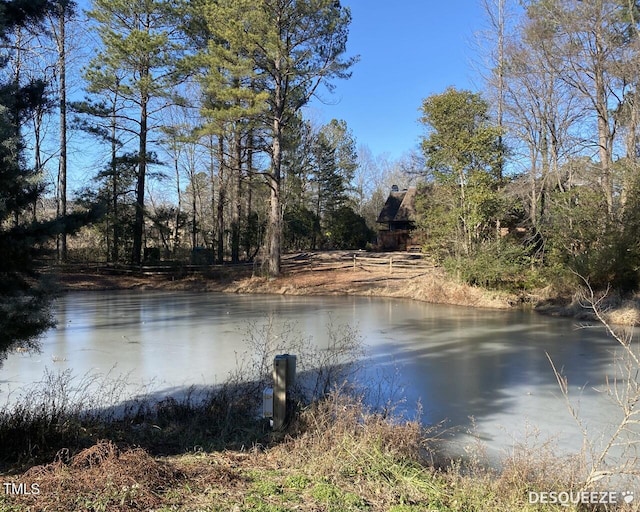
[(25, 294), (194, 111), (535, 181), (218, 88)]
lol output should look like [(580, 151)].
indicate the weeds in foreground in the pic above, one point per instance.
[(319, 368), (338, 457), (65, 412), (613, 459)]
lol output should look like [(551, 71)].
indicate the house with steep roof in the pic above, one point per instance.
[(397, 220)]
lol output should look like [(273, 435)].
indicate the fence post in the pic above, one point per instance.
[(390, 264), (284, 375), (354, 262)]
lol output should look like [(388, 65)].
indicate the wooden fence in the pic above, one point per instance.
[(391, 263), (395, 263)]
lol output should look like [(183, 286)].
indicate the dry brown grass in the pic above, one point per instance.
[(322, 428), (101, 477), (437, 288), (337, 457), (627, 313), (615, 309)]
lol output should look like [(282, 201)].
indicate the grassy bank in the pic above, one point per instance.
[(616, 309), (337, 456), (322, 273)]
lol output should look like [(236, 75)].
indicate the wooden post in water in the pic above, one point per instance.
[(284, 375)]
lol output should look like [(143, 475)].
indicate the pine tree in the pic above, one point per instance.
[(25, 296), (335, 165), (290, 49), (139, 44)]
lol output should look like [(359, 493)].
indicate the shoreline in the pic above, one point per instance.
[(328, 274), (432, 286)]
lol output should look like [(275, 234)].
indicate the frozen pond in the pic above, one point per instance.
[(459, 362)]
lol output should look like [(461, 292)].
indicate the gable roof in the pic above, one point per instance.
[(399, 207)]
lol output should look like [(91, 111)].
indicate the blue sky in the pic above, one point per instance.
[(409, 49)]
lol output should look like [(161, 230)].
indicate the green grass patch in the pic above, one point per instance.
[(297, 482), (332, 498), (266, 488)]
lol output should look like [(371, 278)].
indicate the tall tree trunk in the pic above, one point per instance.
[(62, 164), (275, 208), (194, 209), (114, 184), (175, 238), (138, 230), (194, 219), (221, 200), (37, 150), (236, 211), (249, 195), (631, 143), (501, 87), (533, 188), (212, 182), (631, 140), (275, 216), (496, 12), (17, 71), (604, 137)]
